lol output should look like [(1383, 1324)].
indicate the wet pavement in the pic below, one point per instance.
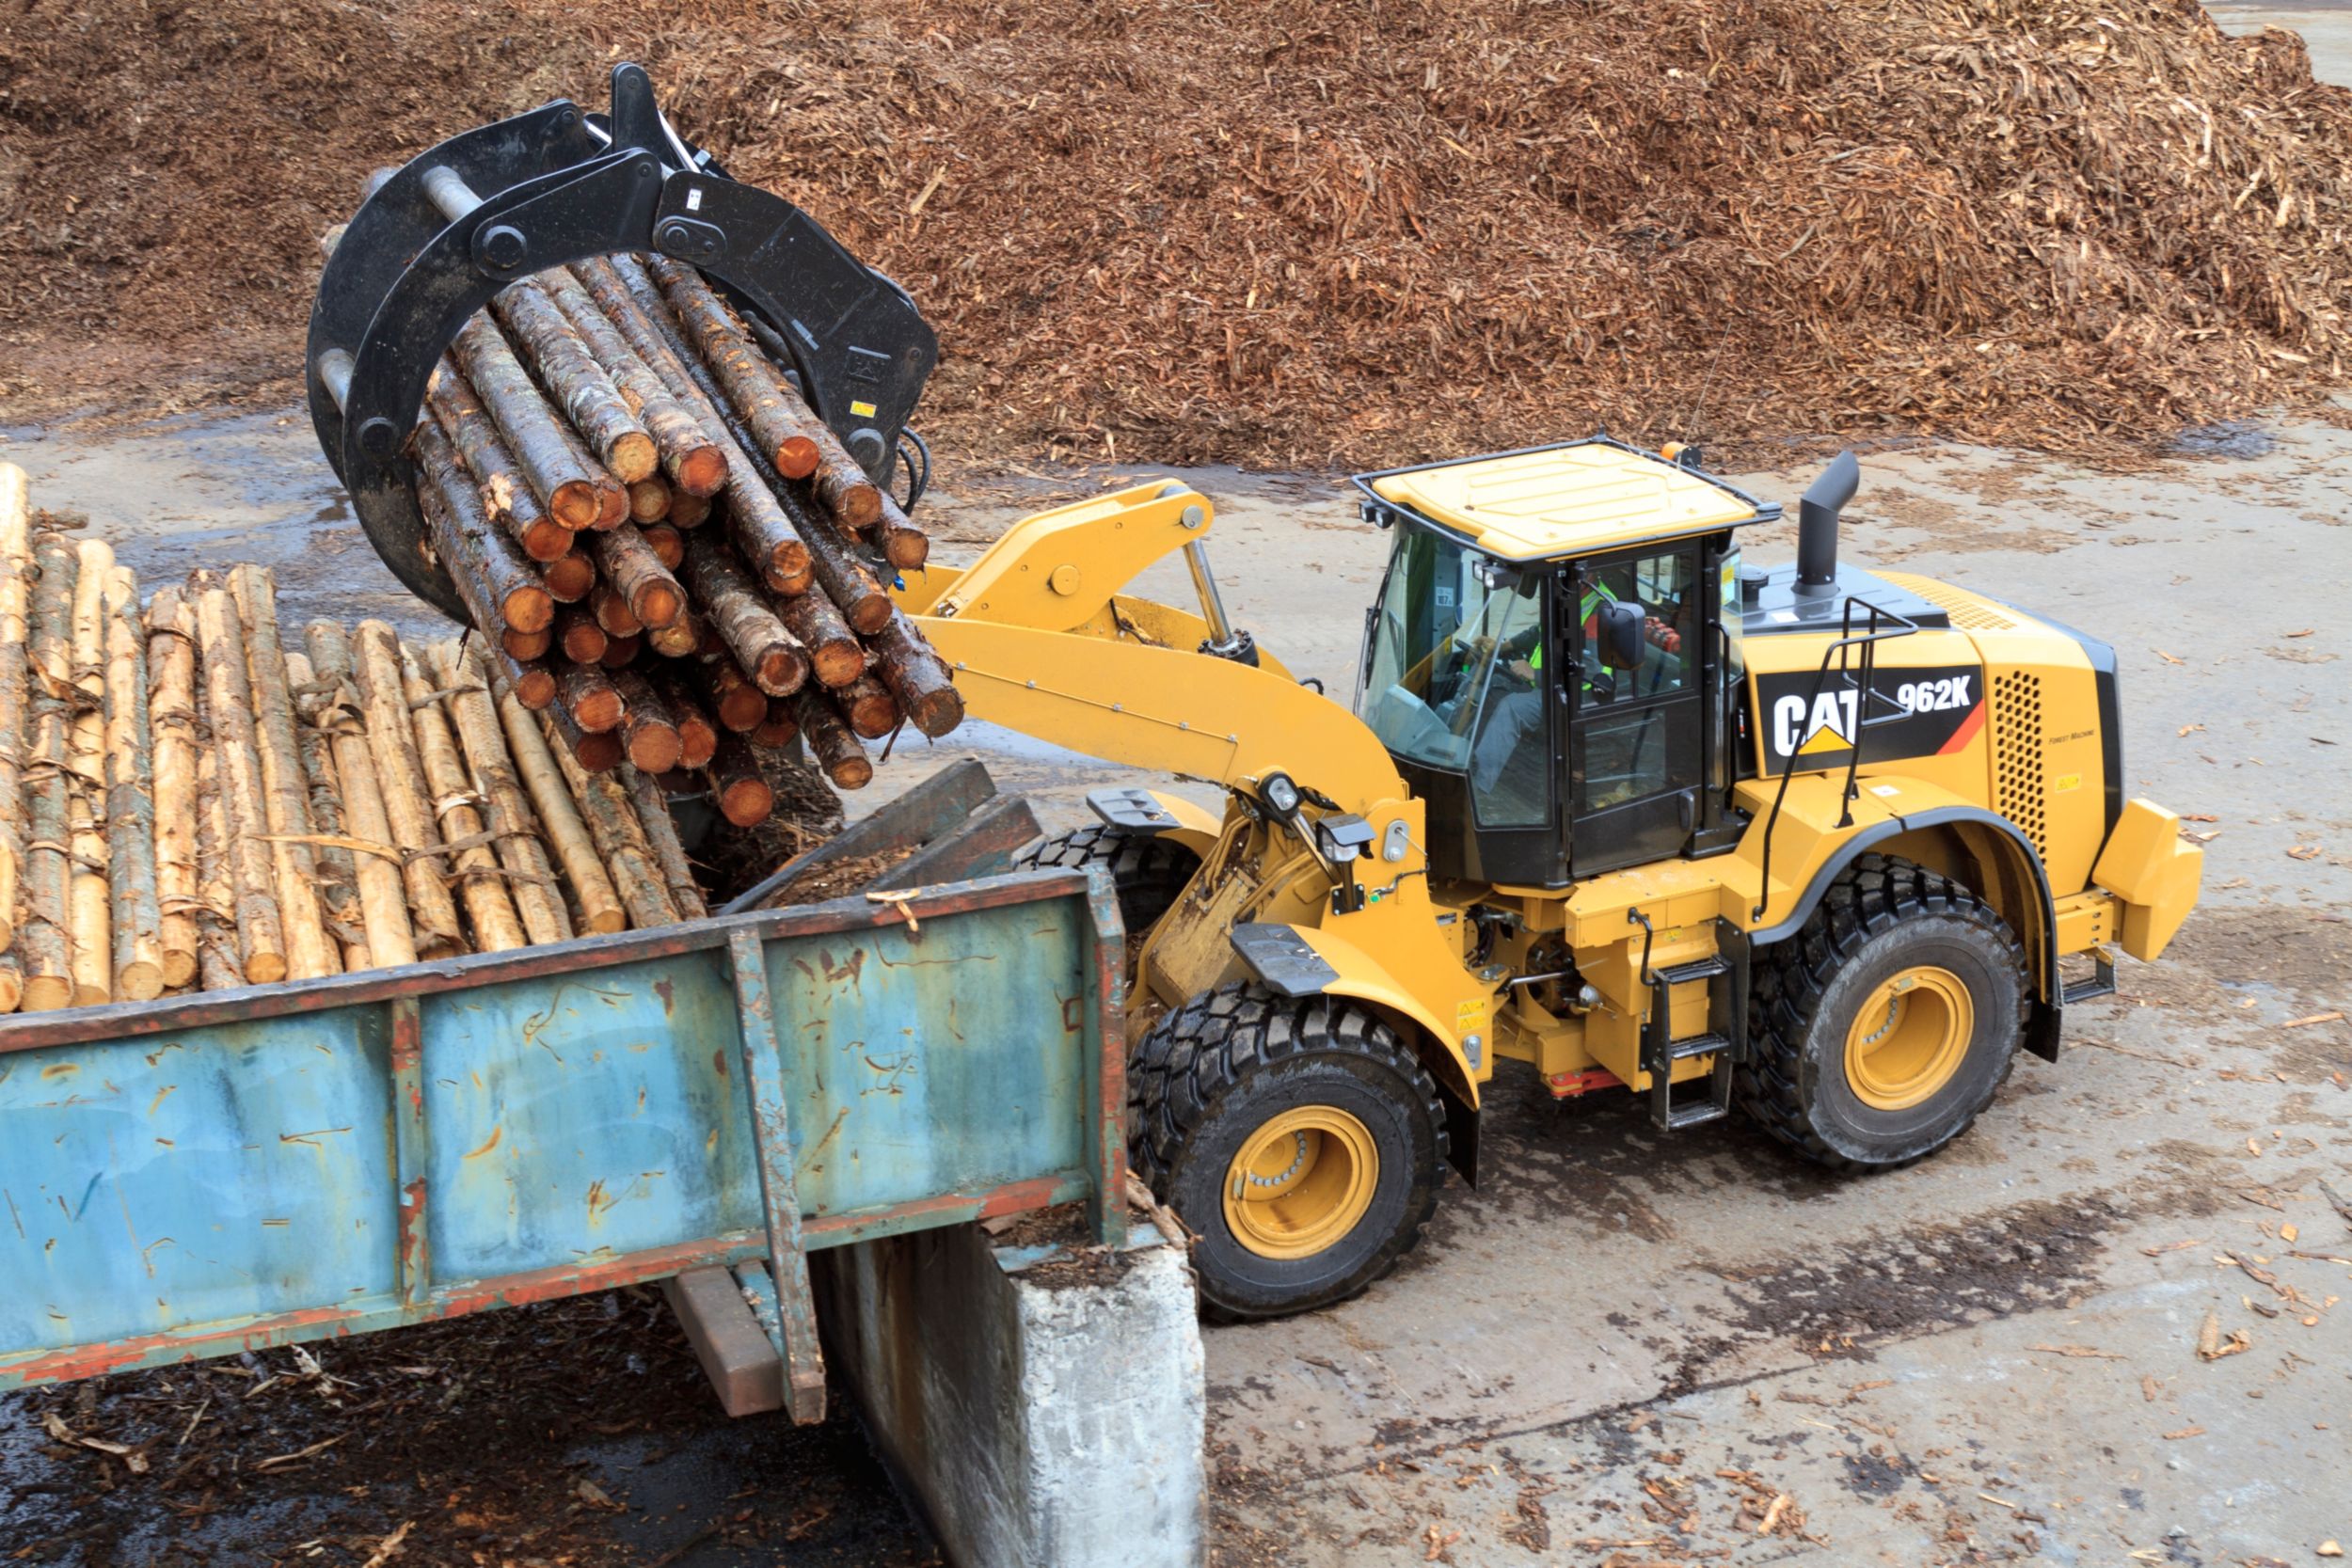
[(1629, 1346)]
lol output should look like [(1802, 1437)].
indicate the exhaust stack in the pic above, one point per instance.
[(1817, 525)]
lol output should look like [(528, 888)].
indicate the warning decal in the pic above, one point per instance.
[(1910, 713)]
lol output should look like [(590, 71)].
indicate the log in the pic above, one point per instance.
[(506, 494), (648, 734), (738, 786), (45, 939), (581, 387), (137, 915), (669, 854), (750, 385), (776, 661), (506, 809), (481, 882), (399, 781), (507, 583), (588, 698), (16, 588), (871, 711), (285, 790), (577, 633), (770, 540), (835, 655), (897, 540), (667, 544), (695, 465), (613, 611), (620, 841), (697, 734), (228, 715), (518, 654), (524, 647), (629, 567), (217, 965), (649, 502), (620, 652), (769, 403), (599, 752), (171, 723), (383, 894), (569, 576), (338, 874), (780, 728), (829, 741), (918, 676), (680, 638), (90, 905), (600, 910), (845, 579), (688, 511), (730, 695), (571, 485)]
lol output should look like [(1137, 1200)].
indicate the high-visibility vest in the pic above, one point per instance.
[(1595, 596)]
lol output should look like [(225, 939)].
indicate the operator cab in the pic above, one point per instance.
[(1555, 654)]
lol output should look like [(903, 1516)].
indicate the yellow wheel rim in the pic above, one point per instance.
[(1909, 1037), (1300, 1182)]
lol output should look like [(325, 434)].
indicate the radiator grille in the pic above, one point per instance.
[(2018, 788)]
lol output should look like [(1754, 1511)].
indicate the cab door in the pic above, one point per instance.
[(1636, 736)]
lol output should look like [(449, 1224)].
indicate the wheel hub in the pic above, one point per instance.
[(1909, 1037), (1300, 1182)]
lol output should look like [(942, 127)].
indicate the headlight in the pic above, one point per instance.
[(1278, 793)]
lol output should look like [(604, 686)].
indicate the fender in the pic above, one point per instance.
[(2042, 1030), (1300, 960)]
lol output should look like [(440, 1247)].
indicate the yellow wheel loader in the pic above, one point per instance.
[(1810, 842)]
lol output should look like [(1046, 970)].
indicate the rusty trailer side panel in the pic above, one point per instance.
[(257, 1167)]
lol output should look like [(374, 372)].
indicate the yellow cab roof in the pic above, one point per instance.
[(1570, 500)]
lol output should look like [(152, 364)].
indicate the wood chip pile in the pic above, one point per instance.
[(1356, 233), (669, 553), (194, 798)]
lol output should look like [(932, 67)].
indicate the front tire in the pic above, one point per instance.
[(1879, 1032), (1300, 1137)]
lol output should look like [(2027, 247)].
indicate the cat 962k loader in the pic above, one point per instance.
[(1825, 846)]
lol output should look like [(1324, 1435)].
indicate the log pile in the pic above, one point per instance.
[(194, 795), (667, 553)]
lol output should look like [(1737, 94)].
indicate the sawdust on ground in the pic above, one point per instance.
[(1362, 233)]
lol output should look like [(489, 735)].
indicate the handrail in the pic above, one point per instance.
[(1868, 642)]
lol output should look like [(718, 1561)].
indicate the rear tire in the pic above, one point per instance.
[(1300, 1137), (1149, 874), (1879, 1032)]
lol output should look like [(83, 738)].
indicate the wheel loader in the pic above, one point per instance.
[(1823, 846)]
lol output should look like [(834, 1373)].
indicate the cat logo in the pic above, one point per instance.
[(1828, 726), (1811, 723)]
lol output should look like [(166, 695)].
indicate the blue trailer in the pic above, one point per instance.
[(259, 1167)]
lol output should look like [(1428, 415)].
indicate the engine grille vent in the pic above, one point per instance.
[(1968, 611), (2019, 789)]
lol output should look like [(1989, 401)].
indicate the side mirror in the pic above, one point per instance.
[(1622, 645)]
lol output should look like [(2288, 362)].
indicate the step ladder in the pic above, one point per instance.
[(1725, 1038)]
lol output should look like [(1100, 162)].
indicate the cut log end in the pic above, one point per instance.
[(577, 503), (654, 748), (796, 458), (701, 471), (746, 802)]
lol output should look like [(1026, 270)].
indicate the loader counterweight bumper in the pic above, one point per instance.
[(2153, 872)]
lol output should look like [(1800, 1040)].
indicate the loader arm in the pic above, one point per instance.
[(1042, 642)]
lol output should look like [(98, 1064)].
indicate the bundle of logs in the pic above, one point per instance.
[(609, 466), (192, 798)]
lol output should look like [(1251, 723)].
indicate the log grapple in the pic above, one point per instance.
[(435, 239)]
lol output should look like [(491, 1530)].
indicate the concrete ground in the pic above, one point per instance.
[(1632, 1347)]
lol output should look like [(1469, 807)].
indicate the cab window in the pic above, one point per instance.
[(1663, 586)]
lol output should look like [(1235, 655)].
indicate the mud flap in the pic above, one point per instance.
[(1461, 1134), (2042, 1030)]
